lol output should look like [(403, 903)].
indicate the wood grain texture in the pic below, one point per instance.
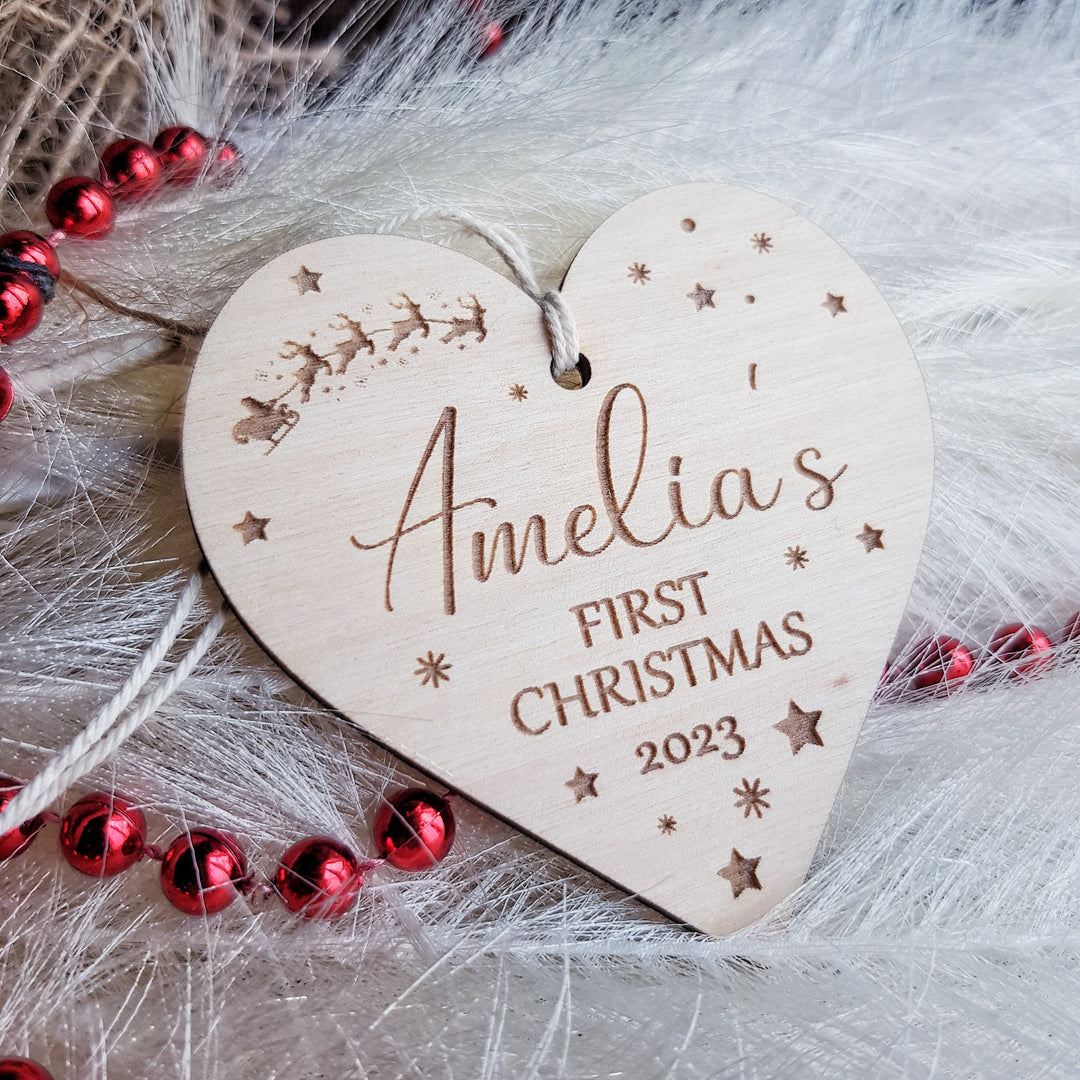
[(642, 619)]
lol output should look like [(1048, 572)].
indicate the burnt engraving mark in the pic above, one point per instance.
[(871, 538), (638, 273), (667, 824), (473, 324), (688, 224), (762, 243), (271, 420), (677, 748), (800, 727), (403, 328), (834, 305), (306, 374), (518, 392), (433, 669), (306, 280), (751, 797), (252, 528), (583, 784), (346, 350), (267, 421), (796, 557), (701, 296), (753, 376), (741, 873)]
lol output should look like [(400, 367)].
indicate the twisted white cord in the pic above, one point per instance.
[(558, 321), (99, 738)]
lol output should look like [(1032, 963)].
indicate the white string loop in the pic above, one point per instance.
[(558, 321), (102, 735)]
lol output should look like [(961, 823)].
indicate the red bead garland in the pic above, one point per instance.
[(80, 206), (30, 247), (318, 878), (203, 872), (7, 394), (19, 838), (13, 1068), (131, 169), (414, 829), (941, 664), (102, 835), (21, 306), (1025, 648), (182, 152)]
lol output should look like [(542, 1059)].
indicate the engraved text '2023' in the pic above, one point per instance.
[(731, 492)]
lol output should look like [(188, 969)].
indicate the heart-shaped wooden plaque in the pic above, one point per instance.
[(642, 619)]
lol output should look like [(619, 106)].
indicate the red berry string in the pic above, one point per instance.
[(84, 208), (204, 870), (941, 665)]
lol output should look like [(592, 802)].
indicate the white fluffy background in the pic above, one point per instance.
[(939, 932)]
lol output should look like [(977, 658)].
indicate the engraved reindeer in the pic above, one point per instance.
[(404, 327), (356, 341), (474, 324), (313, 363), (268, 421)]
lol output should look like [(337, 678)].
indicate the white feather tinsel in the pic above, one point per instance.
[(939, 932)]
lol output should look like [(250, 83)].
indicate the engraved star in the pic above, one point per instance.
[(701, 296), (639, 273), (306, 280), (518, 392), (800, 727), (252, 528), (871, 538), (761, 242), (751, 797), (433, 668), (742, 873), (796, 557), (583, 784), (666, 824), (834, 304)]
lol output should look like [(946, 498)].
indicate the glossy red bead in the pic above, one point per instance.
[(228, 164), (938, 660), (19, 838), (21, 306), (203, 871), (491, 37), (80, 206), (12, 1068), (103, 834), (7, 394), (414, 829), (29, 247), (131, 168), (182, 152), (1026, 649), (318, 877)]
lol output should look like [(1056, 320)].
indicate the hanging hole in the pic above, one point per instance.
[(576, 377)]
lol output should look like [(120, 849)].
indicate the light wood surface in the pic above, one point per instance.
[(712, 541)]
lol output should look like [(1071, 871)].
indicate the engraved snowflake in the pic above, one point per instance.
[(762, 243), (666, 824), (796, 557), (639, 273), (518, 392), (751, 797), (433, 668)]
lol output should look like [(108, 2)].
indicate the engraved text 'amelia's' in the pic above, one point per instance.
[(731, 492)]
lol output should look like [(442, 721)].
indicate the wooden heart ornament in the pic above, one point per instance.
[(642, 619)]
